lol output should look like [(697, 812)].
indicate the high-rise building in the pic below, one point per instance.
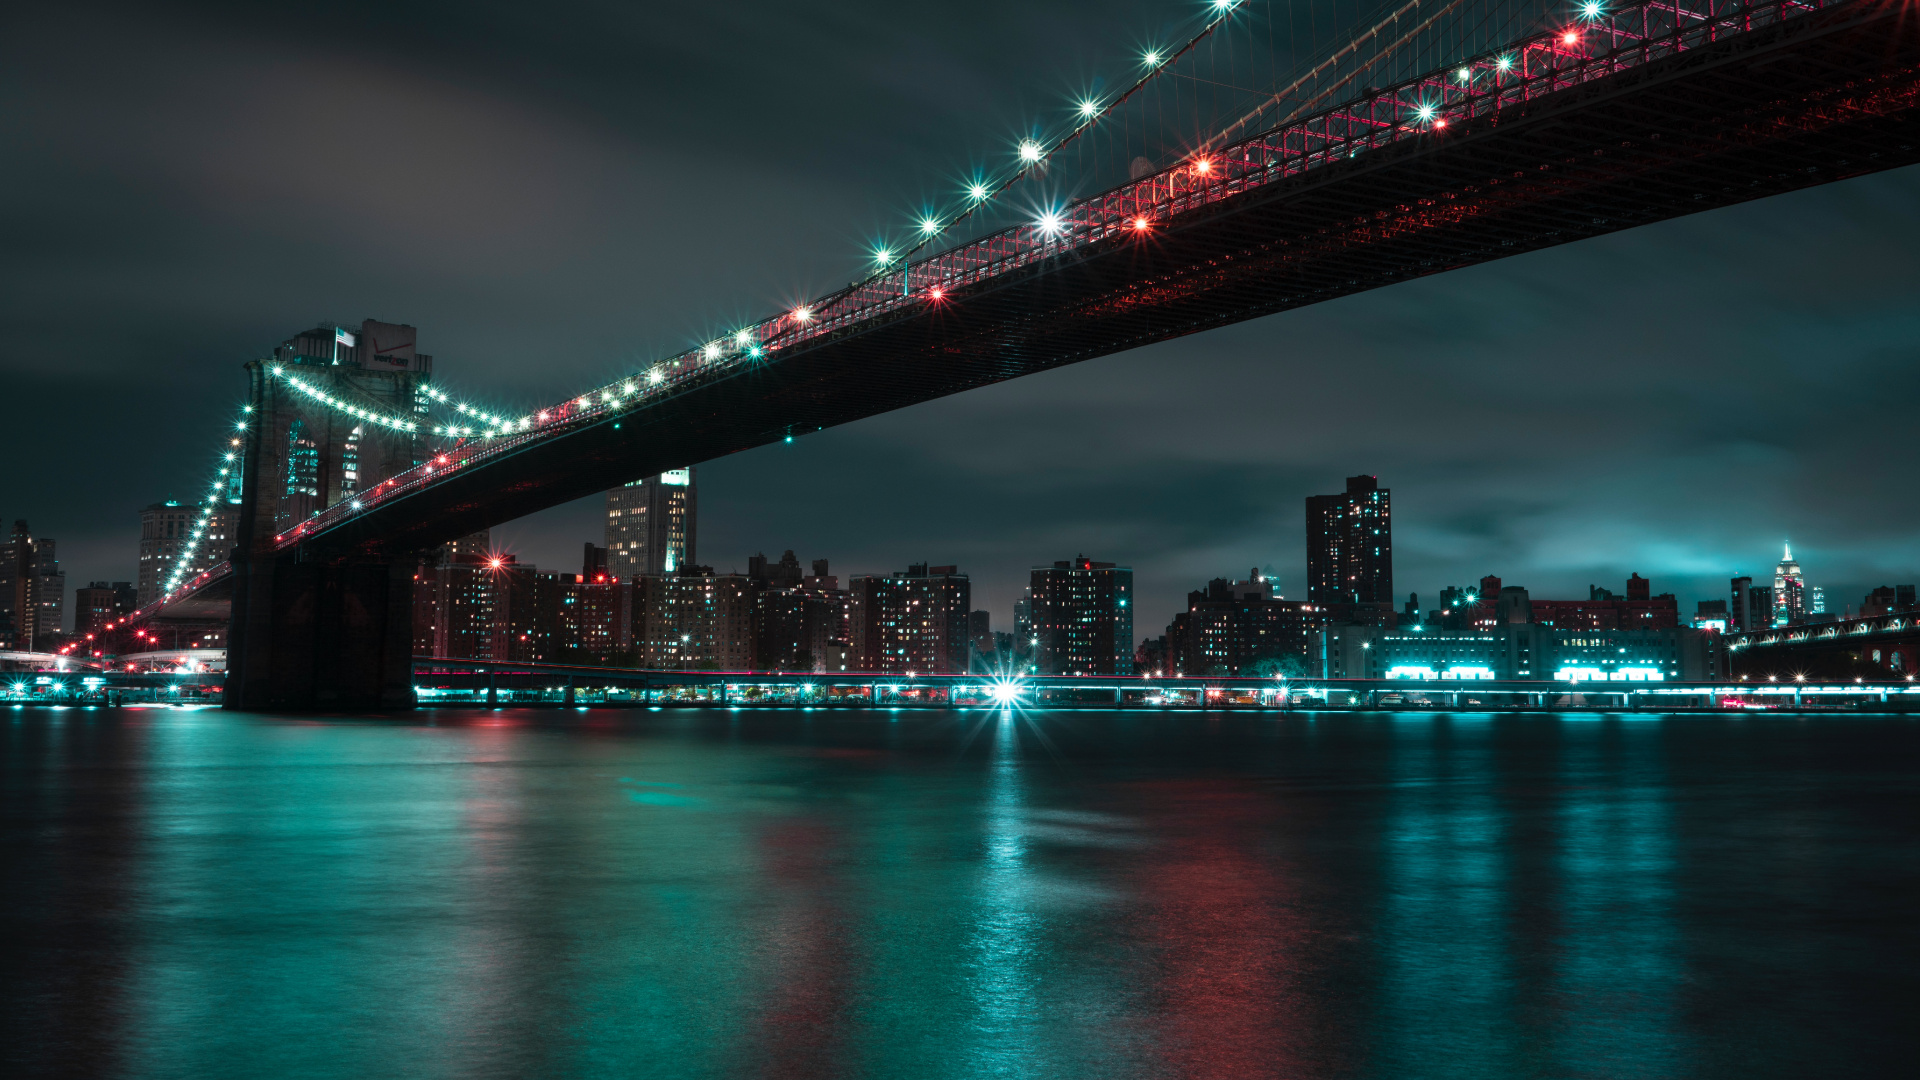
[(800, 620), (912, 622), (166, 528), (1350, 551), (453, 600), (1740, 615), (1082, 612), (1789, 590), (650, 525), (33, 591), (694, 620)]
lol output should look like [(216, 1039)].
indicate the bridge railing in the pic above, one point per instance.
[(1439, 105)]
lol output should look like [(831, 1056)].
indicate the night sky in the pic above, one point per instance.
[(557, 193)]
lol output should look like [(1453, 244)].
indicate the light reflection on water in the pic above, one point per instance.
[(912, 894)]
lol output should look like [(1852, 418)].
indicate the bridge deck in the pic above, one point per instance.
[(1804, 100)]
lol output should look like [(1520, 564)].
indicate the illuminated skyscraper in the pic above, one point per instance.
[(650, 525), (1789, 591), (1350, 548)]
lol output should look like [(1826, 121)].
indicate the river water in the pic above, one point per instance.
[(720, 893)]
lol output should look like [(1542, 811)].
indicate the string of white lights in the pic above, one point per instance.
[(223, 481), (1030, 154)]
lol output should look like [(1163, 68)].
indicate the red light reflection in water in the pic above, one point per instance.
[(1228, 939), (808, 980)]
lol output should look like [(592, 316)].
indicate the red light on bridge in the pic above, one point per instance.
[(1569, 38), (937, 292), (1141, 224), (1440, 123), (1203, 166)]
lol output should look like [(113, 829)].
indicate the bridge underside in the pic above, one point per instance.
[(1809, 101)]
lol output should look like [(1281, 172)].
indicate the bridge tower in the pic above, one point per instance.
[(318, 626)]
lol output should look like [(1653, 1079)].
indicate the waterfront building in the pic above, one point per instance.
[(913, 621), (694, 619), (1605, 610), (470, 603), (1081, 614), (1150, 658), (980, 630), (1887, 599), (1534, 652), (595, 619), (453, 600), (651, 525), (1343, 651), (780, 631), (1350, 553), (1240, 628), (1023, 636), (800, 620), (1712, 615)]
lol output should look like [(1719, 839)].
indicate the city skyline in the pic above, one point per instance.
[(1553, 418), (1839, 598)]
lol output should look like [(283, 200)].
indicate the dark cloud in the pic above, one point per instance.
[(555, 192)]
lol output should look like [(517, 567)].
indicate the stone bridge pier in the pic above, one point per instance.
[(317, 632)]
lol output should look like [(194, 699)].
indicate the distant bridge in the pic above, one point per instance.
[(1884, 646)]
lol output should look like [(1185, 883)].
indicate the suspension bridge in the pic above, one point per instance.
[(1426, 140)]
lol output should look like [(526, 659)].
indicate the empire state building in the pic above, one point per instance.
[(1789, 591)]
